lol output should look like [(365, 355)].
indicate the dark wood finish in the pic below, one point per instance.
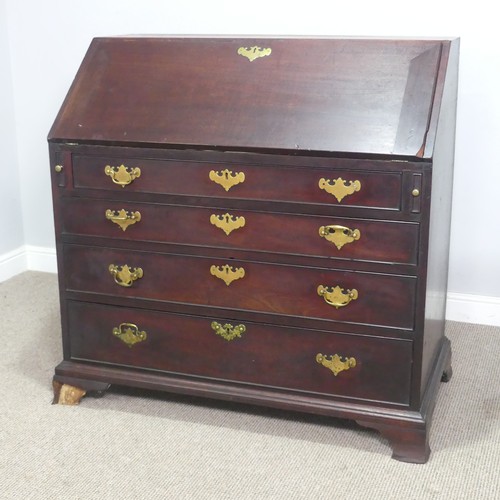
[(378, 111), (310, 94), (409, 437), (383, 300), (265, 355), (439, 230), (380, 241), (296, 184)]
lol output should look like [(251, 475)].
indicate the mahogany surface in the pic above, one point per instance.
[(267, 355), (297, 184), (383, 300), (380, 112), (385, 241), (367, 96)]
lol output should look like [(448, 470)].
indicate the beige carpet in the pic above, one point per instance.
[(143, 445)]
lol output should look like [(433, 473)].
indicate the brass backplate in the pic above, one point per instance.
[(339, 187), (339, 235), (228, 331), (122, 175), (227, 273), (254, 52), (336, 296), (227, 222), (125, 275), (226, 178), (122, 217), (335, 363), (129, 333)]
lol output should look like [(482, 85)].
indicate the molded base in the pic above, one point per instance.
[(407, 430)]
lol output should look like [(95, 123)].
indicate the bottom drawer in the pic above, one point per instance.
[(375, 369)]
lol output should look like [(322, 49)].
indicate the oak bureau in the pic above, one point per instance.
[(262, 221)]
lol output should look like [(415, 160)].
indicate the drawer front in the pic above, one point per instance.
[(332, 186), (332, 237), (373, 369), (375, 299)]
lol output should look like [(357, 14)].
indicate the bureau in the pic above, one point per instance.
[(259, 220)]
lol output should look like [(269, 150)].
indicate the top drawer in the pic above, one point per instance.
[(333, 186)]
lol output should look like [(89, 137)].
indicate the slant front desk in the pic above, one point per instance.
[(260, 220)]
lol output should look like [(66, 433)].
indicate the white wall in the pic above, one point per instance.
[(48, 40), (11, 220)]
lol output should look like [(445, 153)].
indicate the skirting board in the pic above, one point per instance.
[(467, 308), (462, 307), (27, 258)]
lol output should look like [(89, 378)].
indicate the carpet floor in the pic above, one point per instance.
[(134, 444)]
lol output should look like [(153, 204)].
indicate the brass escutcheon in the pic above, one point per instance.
[(336, 297), (339, 187), (122, 175), (227, 331), (335, 363), (226, 178), (129, 333), (339, 235), (227, 222), (227, 274), (125, 275), (123, 218), (252, 53)]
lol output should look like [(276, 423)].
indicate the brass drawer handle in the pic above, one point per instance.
[(227, 222), (122, 175), (227, 331), (339, 235), (252, 53), (335, 296), (335, 363), (226, 178), (339, 187), (125, 275), (227, 274), (123, 218), (129, 333)]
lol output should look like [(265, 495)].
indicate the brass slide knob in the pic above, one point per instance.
[(339, 235), (336, 296)]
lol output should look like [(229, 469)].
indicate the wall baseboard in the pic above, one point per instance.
[(467, 308), (27, 258), (41, 259), (461, 307), (12, 263)]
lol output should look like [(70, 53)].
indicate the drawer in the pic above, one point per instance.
[(333, 186), (279, 357), (311, 235), (375, 299)]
